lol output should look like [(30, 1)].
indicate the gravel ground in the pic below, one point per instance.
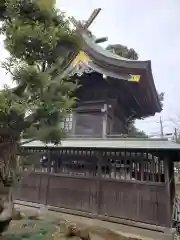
[(43, 225), (101, 229)]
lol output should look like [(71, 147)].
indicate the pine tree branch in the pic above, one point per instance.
[(43, 66)]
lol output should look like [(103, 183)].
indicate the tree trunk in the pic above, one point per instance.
[(6, 207), (9, 171), (7, 174)]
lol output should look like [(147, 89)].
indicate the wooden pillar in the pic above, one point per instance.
[(172, 183), (48, 176), (104, 124), (99, 183), (168, 190), (44, 182), (141, 165), (74, 122)]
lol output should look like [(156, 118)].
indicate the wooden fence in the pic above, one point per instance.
[(111, 184)]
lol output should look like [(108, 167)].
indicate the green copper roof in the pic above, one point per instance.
[(98, 53), (121, 143)]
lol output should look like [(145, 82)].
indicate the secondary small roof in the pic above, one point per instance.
[(123, 143)]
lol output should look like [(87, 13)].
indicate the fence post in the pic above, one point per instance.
[(99, 183), (168, 186), (48, 176)]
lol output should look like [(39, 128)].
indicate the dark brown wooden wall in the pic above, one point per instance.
[(128, 200), (132, 185)]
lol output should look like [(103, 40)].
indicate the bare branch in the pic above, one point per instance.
[(28, 141), (175, 121)]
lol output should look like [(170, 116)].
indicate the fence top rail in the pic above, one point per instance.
[(135, 182), (148, 144)]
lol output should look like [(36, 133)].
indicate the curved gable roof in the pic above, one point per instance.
[(97, 59)]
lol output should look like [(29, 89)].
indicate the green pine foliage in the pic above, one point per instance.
[(123, 51), (40, 43)]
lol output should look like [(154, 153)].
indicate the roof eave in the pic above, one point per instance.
[(153, 87)]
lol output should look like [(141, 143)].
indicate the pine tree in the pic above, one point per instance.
[(40, 43)]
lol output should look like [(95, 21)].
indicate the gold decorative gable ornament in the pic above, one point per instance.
[(134, 78), (80, 64), (81, 57)]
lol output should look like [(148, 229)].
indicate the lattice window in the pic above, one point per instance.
[(135, 166), (68, 123), (122, 166), (75, 163)]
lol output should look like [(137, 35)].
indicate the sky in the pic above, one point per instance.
[(152, 28)]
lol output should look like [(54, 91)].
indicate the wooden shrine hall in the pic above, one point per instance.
[(97, 171), (114, 91)]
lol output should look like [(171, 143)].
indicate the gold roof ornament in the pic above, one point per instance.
[(134, 78), (81, 57), (80, 64)]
